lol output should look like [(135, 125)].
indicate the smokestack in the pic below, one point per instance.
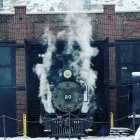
[(66, 60)]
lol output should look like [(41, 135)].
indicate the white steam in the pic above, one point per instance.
[(79, 30), (42, 70)]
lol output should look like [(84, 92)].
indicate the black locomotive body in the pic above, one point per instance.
[(68, 94)]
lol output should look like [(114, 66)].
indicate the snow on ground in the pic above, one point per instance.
[(60, 5), (137, 135), (87, 138)]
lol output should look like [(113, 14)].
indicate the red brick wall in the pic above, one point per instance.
[(107, 23), (131, 29), (20, 83), (35, 30), (20, 70), (20, 35), (20, 108), (112, 80), (20, 24)]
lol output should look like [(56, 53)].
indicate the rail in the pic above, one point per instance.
[(4, 117)]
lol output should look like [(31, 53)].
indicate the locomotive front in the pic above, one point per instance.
[(68, 92)]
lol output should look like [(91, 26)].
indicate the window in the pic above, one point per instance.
[(127, 54), (5, 56), (1, 4), (6, 65), (129, 61), (5, 76), (126, 73)]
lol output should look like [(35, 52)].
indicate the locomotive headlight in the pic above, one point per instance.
[(67, 74)]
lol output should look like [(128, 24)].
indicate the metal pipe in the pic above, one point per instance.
[(111, 120), (134, 115), (24, 125), (4, 127), (69, 126)]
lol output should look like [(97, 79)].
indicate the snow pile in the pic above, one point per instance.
[(60, 5), (137, 135), (35, 5), (135, 73)]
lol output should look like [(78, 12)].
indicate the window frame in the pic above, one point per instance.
[(12, 66), (124, 89), (119, 64)]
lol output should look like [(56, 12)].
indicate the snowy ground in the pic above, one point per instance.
[(87, 138)]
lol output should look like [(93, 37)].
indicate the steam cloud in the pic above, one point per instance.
[(80, 30), (42, 71)]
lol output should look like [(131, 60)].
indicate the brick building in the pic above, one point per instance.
[(19, 28)]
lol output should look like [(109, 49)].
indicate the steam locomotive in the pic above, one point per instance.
[(69, 116), (68, 95)]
